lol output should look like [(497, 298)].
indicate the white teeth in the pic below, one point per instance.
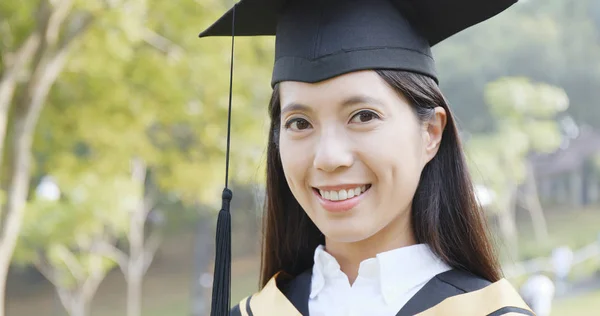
[(333, 195), (342, 194)]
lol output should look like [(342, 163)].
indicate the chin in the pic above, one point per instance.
[(345, 233)]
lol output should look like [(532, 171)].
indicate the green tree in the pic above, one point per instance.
[(152, 103), (37, 39), (552, 41), (525, 123), (61, 238)]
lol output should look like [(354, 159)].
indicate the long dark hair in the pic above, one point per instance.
[(445, 212)]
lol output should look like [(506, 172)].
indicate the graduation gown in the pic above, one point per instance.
[(453, 292)]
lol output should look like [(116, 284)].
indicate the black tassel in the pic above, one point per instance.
[(221, 294)]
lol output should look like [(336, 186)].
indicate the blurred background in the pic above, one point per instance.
[(112, 139)]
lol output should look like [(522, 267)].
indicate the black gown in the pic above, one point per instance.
[(453, 292)]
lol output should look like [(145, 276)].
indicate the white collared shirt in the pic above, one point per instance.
[(384, 283)]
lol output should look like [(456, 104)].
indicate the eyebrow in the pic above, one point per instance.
[(353, 100)]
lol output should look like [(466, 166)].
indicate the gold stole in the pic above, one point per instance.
[(270, 301)]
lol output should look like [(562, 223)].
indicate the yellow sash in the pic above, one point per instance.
[(270, 301)]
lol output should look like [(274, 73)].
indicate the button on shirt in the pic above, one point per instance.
[(383, 285)]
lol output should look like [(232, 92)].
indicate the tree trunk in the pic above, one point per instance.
[(25, 120), (16, 197), (134, 291), (534, 206), (136, 236), (73, 301), (508, 226), (76, 300), (141, 249), (78, 306), (8, 82), (575, 188), (47, 58), (509, 232), (135, 267)]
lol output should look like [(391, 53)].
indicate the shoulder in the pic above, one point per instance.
[(235, 311), (243, 308), (462, 281), (472, 295), (285, 294)]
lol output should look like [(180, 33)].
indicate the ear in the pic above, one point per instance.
[(433, 129)]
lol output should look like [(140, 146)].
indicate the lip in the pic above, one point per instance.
[(340, 206), (340, 187)]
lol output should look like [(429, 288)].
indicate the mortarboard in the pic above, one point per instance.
[(320, 39)]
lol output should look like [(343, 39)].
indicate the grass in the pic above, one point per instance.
[(566, 227), (242, 286), (574, 229), (166, 289), (181, 308), (586, 304)]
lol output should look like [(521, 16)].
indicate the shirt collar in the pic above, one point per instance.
[(325, 266), (397, 271)]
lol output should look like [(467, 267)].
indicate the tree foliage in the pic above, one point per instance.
[(164, 99), (61, 237), (525, 114), (139, 86), (556, 42), (525, 123)]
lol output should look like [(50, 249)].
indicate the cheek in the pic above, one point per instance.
[(394, 145), (395, 159), (295, 163)]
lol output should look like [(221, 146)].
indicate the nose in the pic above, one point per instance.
[(333, 151)]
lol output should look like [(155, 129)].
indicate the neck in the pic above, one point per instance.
[(349, 255)]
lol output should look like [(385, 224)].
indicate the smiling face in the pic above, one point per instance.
[(352, 150)]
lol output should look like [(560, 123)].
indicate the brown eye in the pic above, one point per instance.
[(364, 117), (297, 124)]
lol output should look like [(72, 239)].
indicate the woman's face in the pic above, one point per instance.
[(352, 151)]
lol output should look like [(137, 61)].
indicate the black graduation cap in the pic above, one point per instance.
[(321, 39)]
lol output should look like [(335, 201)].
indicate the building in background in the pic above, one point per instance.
[(570, 175)]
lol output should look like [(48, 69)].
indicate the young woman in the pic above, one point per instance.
[(370, 208)]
